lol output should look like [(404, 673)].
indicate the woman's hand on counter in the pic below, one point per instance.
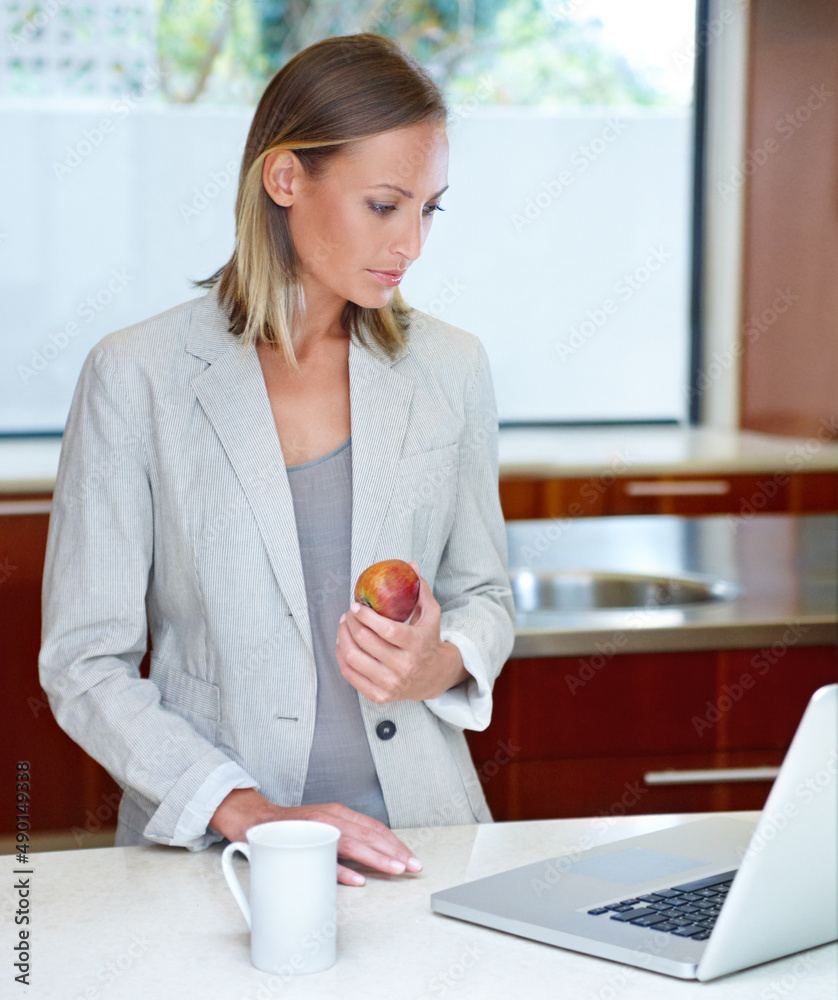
[(362, 838), (390, 661)]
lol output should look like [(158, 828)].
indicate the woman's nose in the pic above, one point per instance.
[(411, 237)]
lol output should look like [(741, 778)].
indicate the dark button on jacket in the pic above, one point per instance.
[(385, 730)]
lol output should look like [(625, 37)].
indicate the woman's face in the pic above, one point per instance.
[(370, 211)]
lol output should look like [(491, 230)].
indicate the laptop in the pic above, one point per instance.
[(699, 900)]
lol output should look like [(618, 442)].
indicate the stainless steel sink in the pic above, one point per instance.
[(571, 590)]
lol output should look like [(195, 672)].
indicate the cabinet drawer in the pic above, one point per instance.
[(558, 749), (750, 494), (659, 703), (524, 497), (616, 786)]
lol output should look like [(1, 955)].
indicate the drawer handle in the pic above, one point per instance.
[(25, 507), (678, 488), (710, 775)]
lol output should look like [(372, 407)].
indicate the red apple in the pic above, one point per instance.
[(389, 587)]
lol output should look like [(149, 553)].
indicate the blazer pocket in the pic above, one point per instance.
[(185, 693), (436, 457), (425, 491)]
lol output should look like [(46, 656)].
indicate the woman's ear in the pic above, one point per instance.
[(280, 172)]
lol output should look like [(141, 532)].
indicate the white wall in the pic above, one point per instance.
[(624, 193), (125, 214)]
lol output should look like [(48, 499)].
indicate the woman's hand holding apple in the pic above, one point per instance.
[(389, 660)]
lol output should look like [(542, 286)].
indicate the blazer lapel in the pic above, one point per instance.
[(232, 393), (380, 399)]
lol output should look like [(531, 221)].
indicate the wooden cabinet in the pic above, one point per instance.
[(69, 789), (789, 368), (587, 736), (610, 494)]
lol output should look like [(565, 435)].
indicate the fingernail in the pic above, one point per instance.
[(358, 879), (342, 618), (396, 866), (414, 864), (356, 607)]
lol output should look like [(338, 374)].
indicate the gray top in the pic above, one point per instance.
[(340, 766)]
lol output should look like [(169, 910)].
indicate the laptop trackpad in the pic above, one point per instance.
[(635, 864)]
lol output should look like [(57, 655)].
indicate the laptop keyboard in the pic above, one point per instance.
[(687, 910)]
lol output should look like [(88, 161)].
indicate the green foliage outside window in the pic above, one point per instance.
[(225, 51)]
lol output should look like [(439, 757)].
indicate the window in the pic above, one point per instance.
[(566, 245)]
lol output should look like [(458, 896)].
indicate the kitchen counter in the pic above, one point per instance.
[(29, 465), (137, 922), (784, 566), (556, 452)]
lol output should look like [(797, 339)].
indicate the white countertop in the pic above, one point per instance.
[(29, 465), (140, 922), (653, 451)]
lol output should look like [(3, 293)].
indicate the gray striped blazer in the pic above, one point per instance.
[(172, 512)]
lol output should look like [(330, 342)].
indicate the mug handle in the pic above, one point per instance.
[(232, 878)]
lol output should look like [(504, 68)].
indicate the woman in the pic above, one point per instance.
[(210, 491)]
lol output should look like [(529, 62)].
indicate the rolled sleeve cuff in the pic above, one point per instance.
[(467, 705), (192, 830)]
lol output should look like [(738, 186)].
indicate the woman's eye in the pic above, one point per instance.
[(385, 209)]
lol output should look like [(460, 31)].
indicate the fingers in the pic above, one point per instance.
[(366, 637), (365, 686), (367, 841), (360, 681), (352, 849), (386, 854), (427, 612), (387, 678), (378, 677), (378, 632), (375, 836), (348, 877)]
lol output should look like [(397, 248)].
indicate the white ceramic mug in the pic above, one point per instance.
[(292, 912)]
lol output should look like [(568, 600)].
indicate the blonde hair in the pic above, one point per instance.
[(334, 92)]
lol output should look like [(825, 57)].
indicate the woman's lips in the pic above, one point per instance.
[(387, 277)]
